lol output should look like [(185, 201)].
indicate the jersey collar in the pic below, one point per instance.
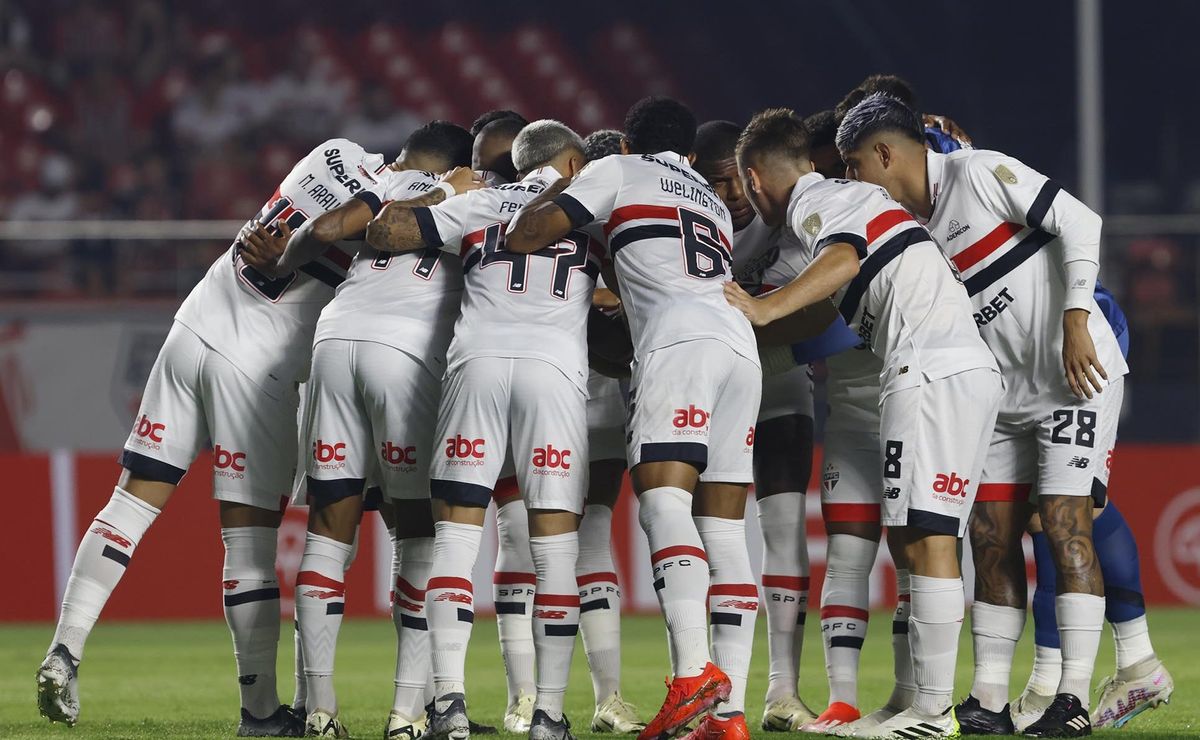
[(935, 168), (547, 173), (805, 182), (674, 157)]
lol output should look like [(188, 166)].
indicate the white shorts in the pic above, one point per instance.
[(696, 402), (369, 413), (851, 486), (787, 394), (492, 404), (933, 440), (1064, 452), (605, 419), (195, 395)]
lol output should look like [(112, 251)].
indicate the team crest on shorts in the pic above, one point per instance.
[(831, 477)]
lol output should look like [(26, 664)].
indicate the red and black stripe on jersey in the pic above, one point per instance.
[(1031, 239), (873, 261)]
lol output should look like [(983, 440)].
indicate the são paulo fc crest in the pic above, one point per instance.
[(831, 477)]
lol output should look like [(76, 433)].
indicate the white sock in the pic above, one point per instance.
[(1132, 639), (412, 630), (449, 603), (781, 519), (300, 698), (937, 613), (905, 688), (252, 612), (1080, 621), (320, 602), (555, 616), (845, 600), (600, 596), (1047, 671), (512, 590), (680, 575), (100, 561), (732, 602), (995, 631)]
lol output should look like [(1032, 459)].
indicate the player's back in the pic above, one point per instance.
[(265, 325), (517, 305), (407, 300), (669, 238), (906, 302)]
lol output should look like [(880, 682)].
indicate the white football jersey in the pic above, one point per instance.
[(516, 305), (1000, 222), (407, 300), (765, 258), (669, 238), (906, 302), (265, 326)]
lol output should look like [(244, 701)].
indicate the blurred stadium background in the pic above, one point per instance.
[(137, 136)]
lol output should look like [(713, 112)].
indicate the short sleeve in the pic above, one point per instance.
[(592, 195), (831, 220), (397, 186), (444, 225)]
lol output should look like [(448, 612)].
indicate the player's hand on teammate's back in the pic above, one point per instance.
[(1079, 355), (606, 302), (756, 310), (463, 179), (261, 249), (948, 125)]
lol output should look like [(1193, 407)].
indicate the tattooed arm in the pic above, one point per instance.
[(540, 223), (397, 228), (1067, 522)]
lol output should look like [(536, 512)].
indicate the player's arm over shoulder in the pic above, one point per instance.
[(566, 205), (429, 220)]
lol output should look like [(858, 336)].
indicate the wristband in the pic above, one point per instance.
[(446, 188), (1081, 284)]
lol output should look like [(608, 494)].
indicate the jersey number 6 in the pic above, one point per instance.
[(704, 255)]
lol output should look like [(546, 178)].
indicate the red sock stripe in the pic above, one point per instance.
[(832, 612), (1003, 492), (556, 600), (676, 551), (596, 578), (850, 512), (733, 589), (410, 591), (506, 489), (503, 578), (313, 578), (904, 597), (451, 582), (794, 583)]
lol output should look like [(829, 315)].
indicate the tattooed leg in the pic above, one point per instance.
[(996, 528), (1067, 521)]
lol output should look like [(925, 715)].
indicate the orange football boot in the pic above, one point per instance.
[(838, 713), (687, 698), (721, 728)]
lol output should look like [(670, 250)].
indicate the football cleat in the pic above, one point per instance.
[(835, 715), (481, 729), (687, 698), (520, 714), (616, 715), (1122, 699), (544, 727), (721, 728), (1029, 708), (1065, 717), (786, 715), (863, 726), (399, 726), (321, 723), (58, 686), (973, 719), (282, 723), (450, 723), (911, 724)]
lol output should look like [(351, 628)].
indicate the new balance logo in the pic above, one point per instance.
[(1078, 462), (891, 493), (323, 594), (549, 614), (751, 606), (111, 536), (456, 598)]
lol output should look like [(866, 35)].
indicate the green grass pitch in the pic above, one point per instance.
[(178, 679)]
